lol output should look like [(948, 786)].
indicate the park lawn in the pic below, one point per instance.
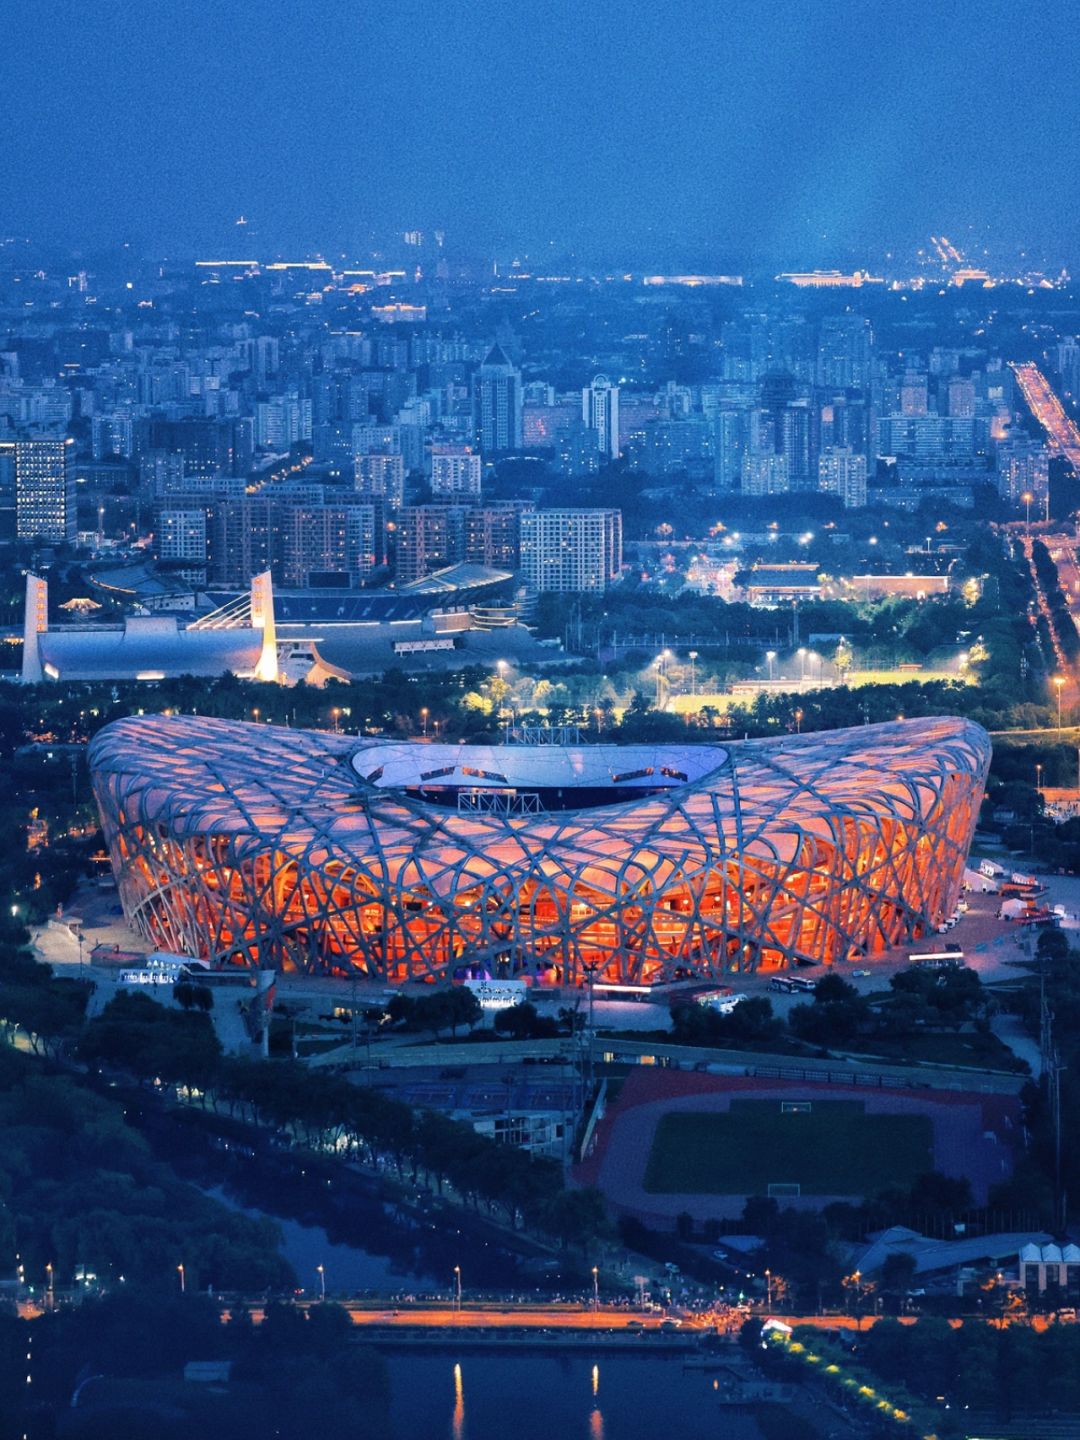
[(836, 1149)]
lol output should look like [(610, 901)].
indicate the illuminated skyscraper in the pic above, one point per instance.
[(600, 412), (497, 403), (45, 491)]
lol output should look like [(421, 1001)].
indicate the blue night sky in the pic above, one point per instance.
[(819, 129)]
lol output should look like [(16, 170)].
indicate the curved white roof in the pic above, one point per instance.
[(407, 765)]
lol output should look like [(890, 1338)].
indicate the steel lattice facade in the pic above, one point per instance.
[(255, 845)]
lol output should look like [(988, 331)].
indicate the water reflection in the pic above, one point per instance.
[(596, 1418), (457, 1425), (556, 1396)]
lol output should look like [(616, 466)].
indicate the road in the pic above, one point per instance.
[(1062, 434)]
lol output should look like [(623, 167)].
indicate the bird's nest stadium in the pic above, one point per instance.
[(302, 850)]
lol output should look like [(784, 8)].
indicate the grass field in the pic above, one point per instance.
[(836, 1149)]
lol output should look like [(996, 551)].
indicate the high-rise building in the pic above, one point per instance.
[(497, 403), (841, 471), (600, 412), (570, 551), (764, 472), (455, 471), (914, 395), (430, 537), (1023, 468), (845, 353), (45, 490), (961, 398), (381, 477), (731, 429), (329, 544), (180, 538), (1068, 366)]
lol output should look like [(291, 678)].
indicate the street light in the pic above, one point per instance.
[(1027, 498), (322, 1281), (595, 1289), (798, 722), (49, 1273), (693, 672), (802, 660), (457, 1287), (770, 656), (183, 1279), (1059, 681), (423, 720)]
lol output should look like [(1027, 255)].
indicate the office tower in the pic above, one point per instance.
[(798, 445), (570, 551), (455, 471), (731, 428), (914, 396), (45, 491), (600, 412), (841, 471), (845, 353), (380, 477), (961, 398), (764, 472), (497, 404)]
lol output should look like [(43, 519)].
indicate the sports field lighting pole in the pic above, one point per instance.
[(802, 661), (770, 658), (1027, 498), (693, 672), (590, 968)]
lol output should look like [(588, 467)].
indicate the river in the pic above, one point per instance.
[(545, 1397)]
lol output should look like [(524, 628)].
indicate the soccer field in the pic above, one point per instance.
[(830, 1148)]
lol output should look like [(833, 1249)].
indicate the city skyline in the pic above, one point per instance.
[(792, 135)]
